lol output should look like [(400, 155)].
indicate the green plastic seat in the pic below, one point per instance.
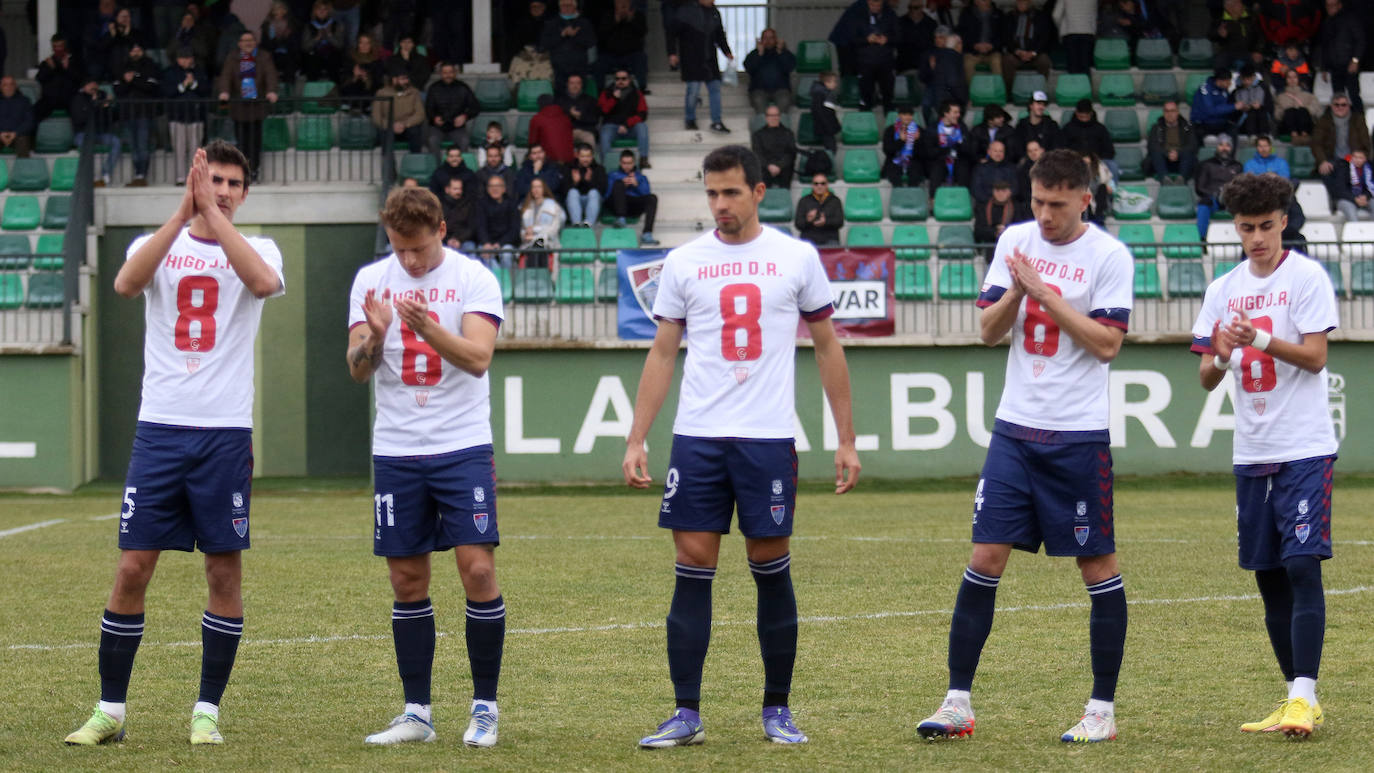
[(806, 131), (607, 285), (1195, 54), (470, 160), (911, 282), (850, 96), (1111, 54), (576, 284), (859, 128), (1154, 54), (1071, 87), (356, 132), (417, 165), (1186, 280), (1134, 234), (616, 239), (776, 206), (522, 130), (1333, 270), (1131, 159), (987, 89), (314, 132), (608, 217), (276, 134), (952, 203), (573, 245), (813, 56), (1176, 202), (1146, 283), (63, 173), (958, 280), (1301, 162), (1192, 83), (285, 103), (907, 204), (950, 242), (29, 174), (219, 128), (1140, 189), (1116, 89), (54, 135), (1025, 84), (861, 165), (507, 288), (1221, 268), (46, 291), (1158, 88), (527, 94), (21, 213), (1362, 277), (4, 175), (11, 291), (1205, 152), (1122, 124), (49, 254), (57, 212), (863, 205), (15, 251), (911, 242), (533, 285), (802, 96), (865, 236), (313, 97), (493, 94), (1186, 237)]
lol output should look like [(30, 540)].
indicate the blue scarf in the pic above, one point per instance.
[(907, 136), (1363, 187)]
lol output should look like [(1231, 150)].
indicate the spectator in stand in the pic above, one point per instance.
[(825, 109), (1086, 134), (1172, 146), (99, 35), (279, 35), (59, 77), (1214, 111), (16, 119), (529, 29), (916, 33), (1125, 20), (1236, 37), (1352, 187), (1294, 108), (1026, 36), (203, 35), (901, 167), (496, 137), (980, 28), (1339, 132), (697, 33), (460, 221), (1339, 48), (586, 181), (1289, 58), (1264, 159), (993, 168), (568, 39), (122, 41), (551, 128), (417, 64), (873, 40), (541, 219), (450, 107), (776, 147), (365, 54), (1077, 24), (1102, 186), (407, 114), (820, 216), (770, 67), (186, 88), (93, 111), (1212, 176), (942, 72), (840, 35), (140, 80), (620, 43), (322, 43), (991, 217), (1286, 22), (358, 88), (582, 111), (498, 223), (538, 166), (993, 128), (247, 77), (944, 149), (624, 111), (1035, 126), (454, 167), (496, 166), (1031, 153), (1253, 102), (630, 197)]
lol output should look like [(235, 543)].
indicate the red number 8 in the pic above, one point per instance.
[(735, 321), (412, 348), (1257, 368), (1041, 333), (203, 313)]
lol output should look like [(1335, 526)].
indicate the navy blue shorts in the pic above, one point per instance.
[(186, 489), (709, 478), (1058, 494), (1283, 510), (428, 503)]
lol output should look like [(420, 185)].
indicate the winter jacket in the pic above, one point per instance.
[(1260, 165), (1047, 133), (640, 188), (1341, 39), (983, 135), (986, 173), (987, 215), (1213, 174), (459, 216), (696, 34), (1324, 136), (1299, 97), (944, 78), (834, 219), (970, 28), (626, 110), (1242, 35), (551, 173), (406, 108), (546, 219), (915, 39), (503, 171), (1339, 186), (1090, 135), (1285, 20), (585, 104), (771, 70), (1039, 32), (229, 83), (1076, 17), (569, 54), (1212, 104), (1187, 138), (146, 84), (59, 83), (552, 129), (868, 55), (16, 114), (592, 178), (824, 121), (185, 105), (93, 114), (439, 180), (775, 146), (621, 38), (928, 146), (530, 65), (322, 39), (498, 222), (450, 100)]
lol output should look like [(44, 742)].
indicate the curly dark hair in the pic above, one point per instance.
[(220, 152), (1257, 194), (1062, 168)]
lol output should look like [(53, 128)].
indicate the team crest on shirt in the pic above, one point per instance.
[(421, 396), (192, 364), (1080, 533), (1258, 403), (741, 374), (1038, 367), (777, 487), (779, 512), (479, 495), (1301, 531), (240, 526), (480, 520)]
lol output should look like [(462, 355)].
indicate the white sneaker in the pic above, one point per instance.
[(406, 728), (481, 729), (953, 720), (1094, 726)]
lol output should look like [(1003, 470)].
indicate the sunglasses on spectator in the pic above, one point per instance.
[(821, 183), (1340, 104)]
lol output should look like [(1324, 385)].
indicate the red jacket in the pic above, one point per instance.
[(552, 129), (1285, 20), (628, 110)]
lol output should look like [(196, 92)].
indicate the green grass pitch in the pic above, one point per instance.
[(587, 577)]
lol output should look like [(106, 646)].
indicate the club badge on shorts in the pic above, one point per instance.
[(480, 520), (1080, 533), (779, 512), (240, 526), (1301, 531)]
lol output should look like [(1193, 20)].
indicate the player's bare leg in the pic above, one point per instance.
[(486, 635), (221, 628), (689, 636), (133, 572), (1107, 640), (770, 561), (412, 630)]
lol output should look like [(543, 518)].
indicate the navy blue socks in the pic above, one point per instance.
[(1107, 634), (412, 629), (219, 638), (486, 636), (119, 639), (777, 626), (1277, 594), (1309, 614), (689, 632), (969, 629)]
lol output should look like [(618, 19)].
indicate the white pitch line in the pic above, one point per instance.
[(31, 527), (103, 517), (718, 623)]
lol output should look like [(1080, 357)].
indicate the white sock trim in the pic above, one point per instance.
[(421, 710), (1304, 687), (207, 708), (486, 705), (1102, 707), (115, 710), (958, 695)]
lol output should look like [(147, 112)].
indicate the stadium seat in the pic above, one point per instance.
[(908, 204), (1314, 199), (1221, 268), (576, 284), (911, 242), (1146, 284), (1071, 87), (911, 282), (1135, 234), (1357, 241), (608, 217), (1121, 215), (1322, 242), (1176, 202), (1158, 88), (1026, 83), (1195, 54), (493, 94), (776, 206), (973, 116), (1111, 54), (608, 285), (1244, 154), (356, 132), (533, 285), (528, 92), (806, 131), (863, 205), (54, 135), (4, 175), (865, 236), (1333, 270), (859, 128), (1122, 124), (1116, 89), (574, 243), (313, 97), (813, 56), (1362, 277), (46, 291), (1205, 152), (618, 239), (861, 165), (1181, 241), (1223, 243), (276, 134), (285, 104), (522, 131), (507, 290), (56, 212), (1154, 54), (906, 88), (958, 280), (29, 174), (950, 242), (314, 132), (802, 96), (15, 251), (11, 291), (219, 127), (1187, 280), (953, 203), (21, 213), (849, 91), (63, 173), (1192, 83), (987, 89), (49, 254), (1131, 158), (417, 165), (1301, 162), (477, 134)]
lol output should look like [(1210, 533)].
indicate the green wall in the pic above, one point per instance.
[(41, 406)]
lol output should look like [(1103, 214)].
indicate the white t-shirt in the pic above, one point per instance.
[(201, 321), (741, 304), (426, 406), (1281, 410), (1052, 383)]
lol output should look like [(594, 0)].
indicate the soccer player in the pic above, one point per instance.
[(738, 291), (424, 320), (1062, 288), (192, 462), (1266, 321)]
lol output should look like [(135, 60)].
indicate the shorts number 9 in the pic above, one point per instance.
[(670, 483)]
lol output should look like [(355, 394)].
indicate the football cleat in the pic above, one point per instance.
[(778, 726), (953, 720), (1270, 723), (683, 728), (100, 728), (482, 727), (1093, 727), (406, 728), (205, 729), (1300, 718)]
